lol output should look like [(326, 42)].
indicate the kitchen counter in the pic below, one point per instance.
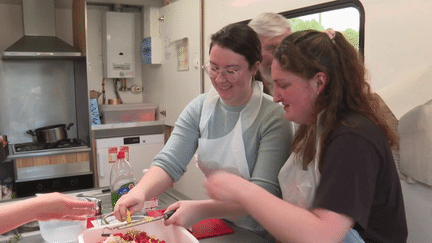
[(127, 125), (170, 196), (127, 129)]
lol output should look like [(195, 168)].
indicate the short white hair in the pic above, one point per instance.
[(269, 24)]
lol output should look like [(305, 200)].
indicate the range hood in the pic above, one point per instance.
[(39, 41)]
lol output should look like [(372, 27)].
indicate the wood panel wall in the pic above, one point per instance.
[(79, 25), (52, 160)]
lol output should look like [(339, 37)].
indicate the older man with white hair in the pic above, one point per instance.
[(271, 28)]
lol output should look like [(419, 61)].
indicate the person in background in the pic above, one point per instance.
[(341, 175), (271, 28), (234, 127), (43, 208)]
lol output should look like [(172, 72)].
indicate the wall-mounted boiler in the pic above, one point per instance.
[(118, 45)]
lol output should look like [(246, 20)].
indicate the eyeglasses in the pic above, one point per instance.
[(230, 74)]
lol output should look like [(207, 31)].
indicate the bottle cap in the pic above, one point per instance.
[(121, 155)]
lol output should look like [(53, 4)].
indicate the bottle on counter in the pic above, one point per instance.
[(122, 179)]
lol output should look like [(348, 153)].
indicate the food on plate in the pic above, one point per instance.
[(133, 236)]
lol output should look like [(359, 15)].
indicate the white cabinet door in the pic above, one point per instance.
[(181, 21), (140, 155)]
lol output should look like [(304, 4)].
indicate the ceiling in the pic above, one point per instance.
[(68, 3)]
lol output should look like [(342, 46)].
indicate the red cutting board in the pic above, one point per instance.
[(211, 228), (205, 229)]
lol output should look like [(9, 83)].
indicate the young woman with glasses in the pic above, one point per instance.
[(234, 127)]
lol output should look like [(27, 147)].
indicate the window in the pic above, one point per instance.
[(345, 16)]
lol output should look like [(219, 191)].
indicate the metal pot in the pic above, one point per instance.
[(51, 134)]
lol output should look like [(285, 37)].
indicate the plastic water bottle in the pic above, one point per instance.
[(122, 179)]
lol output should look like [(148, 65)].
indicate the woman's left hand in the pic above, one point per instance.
[(188, 213), (225, 186)]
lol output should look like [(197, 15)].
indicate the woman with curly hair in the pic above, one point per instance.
[(340, 183)]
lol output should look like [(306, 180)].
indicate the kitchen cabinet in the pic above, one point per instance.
[(181, 22), (166, 84), (151, 48)]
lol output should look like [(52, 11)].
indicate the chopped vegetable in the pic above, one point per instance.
[(133, 236), (129, 218)]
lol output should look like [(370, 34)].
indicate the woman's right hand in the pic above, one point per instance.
[(132, 201), (153, 183)]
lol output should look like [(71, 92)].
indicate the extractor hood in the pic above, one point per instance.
[(39, 40)]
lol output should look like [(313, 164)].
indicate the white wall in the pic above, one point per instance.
[(397, 50)]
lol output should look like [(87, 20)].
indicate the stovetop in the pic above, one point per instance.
[(40, 147)]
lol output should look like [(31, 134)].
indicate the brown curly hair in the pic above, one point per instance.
[(305, 53)]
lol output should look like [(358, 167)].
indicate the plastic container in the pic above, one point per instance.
[(170, 233), (136, 112), (55, 231), (122, 179)]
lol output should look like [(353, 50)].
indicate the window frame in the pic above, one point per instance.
[(328, 6)]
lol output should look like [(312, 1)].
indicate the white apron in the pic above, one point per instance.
[(298, 186), (228, 152)]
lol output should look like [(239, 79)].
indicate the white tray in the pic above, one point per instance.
[(171, 233)]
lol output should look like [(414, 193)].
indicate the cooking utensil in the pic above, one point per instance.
[(166, 215), (51, 134), (144, 220)]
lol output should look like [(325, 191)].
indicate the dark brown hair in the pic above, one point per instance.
[(305, 53), (241, 39)]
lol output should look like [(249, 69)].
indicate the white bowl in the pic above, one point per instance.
[(170, 233), (56, 231)]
